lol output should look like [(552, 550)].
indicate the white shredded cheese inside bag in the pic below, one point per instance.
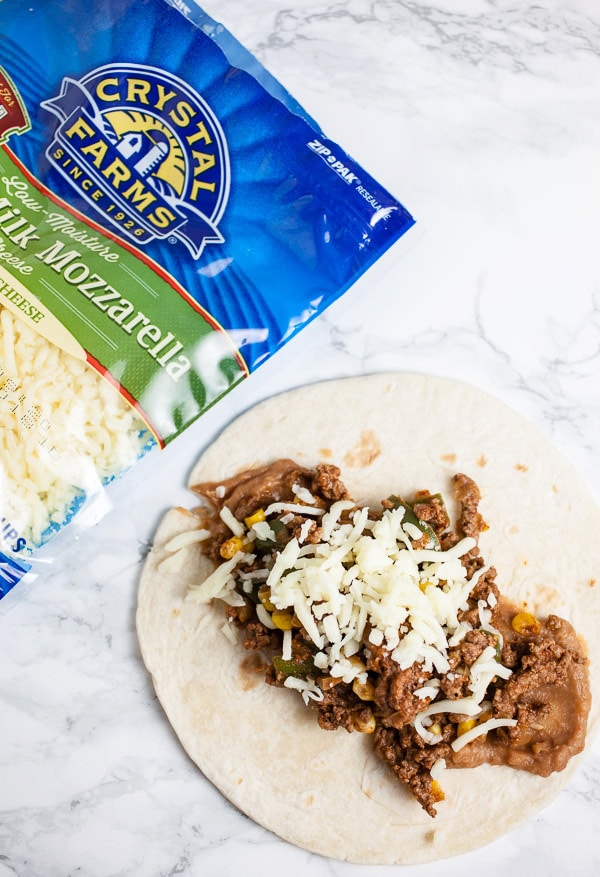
[(64, 432)]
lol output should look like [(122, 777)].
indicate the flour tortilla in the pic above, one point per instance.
[(326, 791)]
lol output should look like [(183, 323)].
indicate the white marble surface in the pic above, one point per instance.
[(483, 116)]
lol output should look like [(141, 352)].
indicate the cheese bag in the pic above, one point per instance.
[(169, 218)]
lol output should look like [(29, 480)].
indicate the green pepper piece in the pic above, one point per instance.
[(300, 669), (498, 645), (264, 545), (411, 518)]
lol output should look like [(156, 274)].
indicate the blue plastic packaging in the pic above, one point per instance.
[(148, 139)]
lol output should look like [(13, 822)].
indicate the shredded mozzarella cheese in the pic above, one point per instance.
[(229, 519), (294, 507), (64, 431), (438, 768), (286, 649), (367, 572), (218, 584), (262, 530), (480, 730), (304, 495), (308, 688)]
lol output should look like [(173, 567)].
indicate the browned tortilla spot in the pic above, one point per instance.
[(252, 671), (364, 451)]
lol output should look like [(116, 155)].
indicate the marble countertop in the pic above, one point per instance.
[(483, 117)]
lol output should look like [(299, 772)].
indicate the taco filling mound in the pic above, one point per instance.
[(389, 622)]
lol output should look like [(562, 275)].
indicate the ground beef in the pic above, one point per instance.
[(394, 694), (472, 562), (545, 662), (484, 587), (471, 646), (467, 493), (326, 482), (311, 535), (341, 708), (404, 753), (378, 658), (432, 512), (257, 637), (455, 684), (511, 654)]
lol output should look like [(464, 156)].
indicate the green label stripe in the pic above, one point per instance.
[(137, 326)]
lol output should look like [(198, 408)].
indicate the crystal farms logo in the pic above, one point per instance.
[(145, 151)]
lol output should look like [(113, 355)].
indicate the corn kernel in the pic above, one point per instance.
[(282, 619), (255, 518), (364, 690), (245, 612), (264, 595), (436, 728), (231, 547), (424, 585), (526, 624), (465, 726), (357, 663), (365, 726)]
